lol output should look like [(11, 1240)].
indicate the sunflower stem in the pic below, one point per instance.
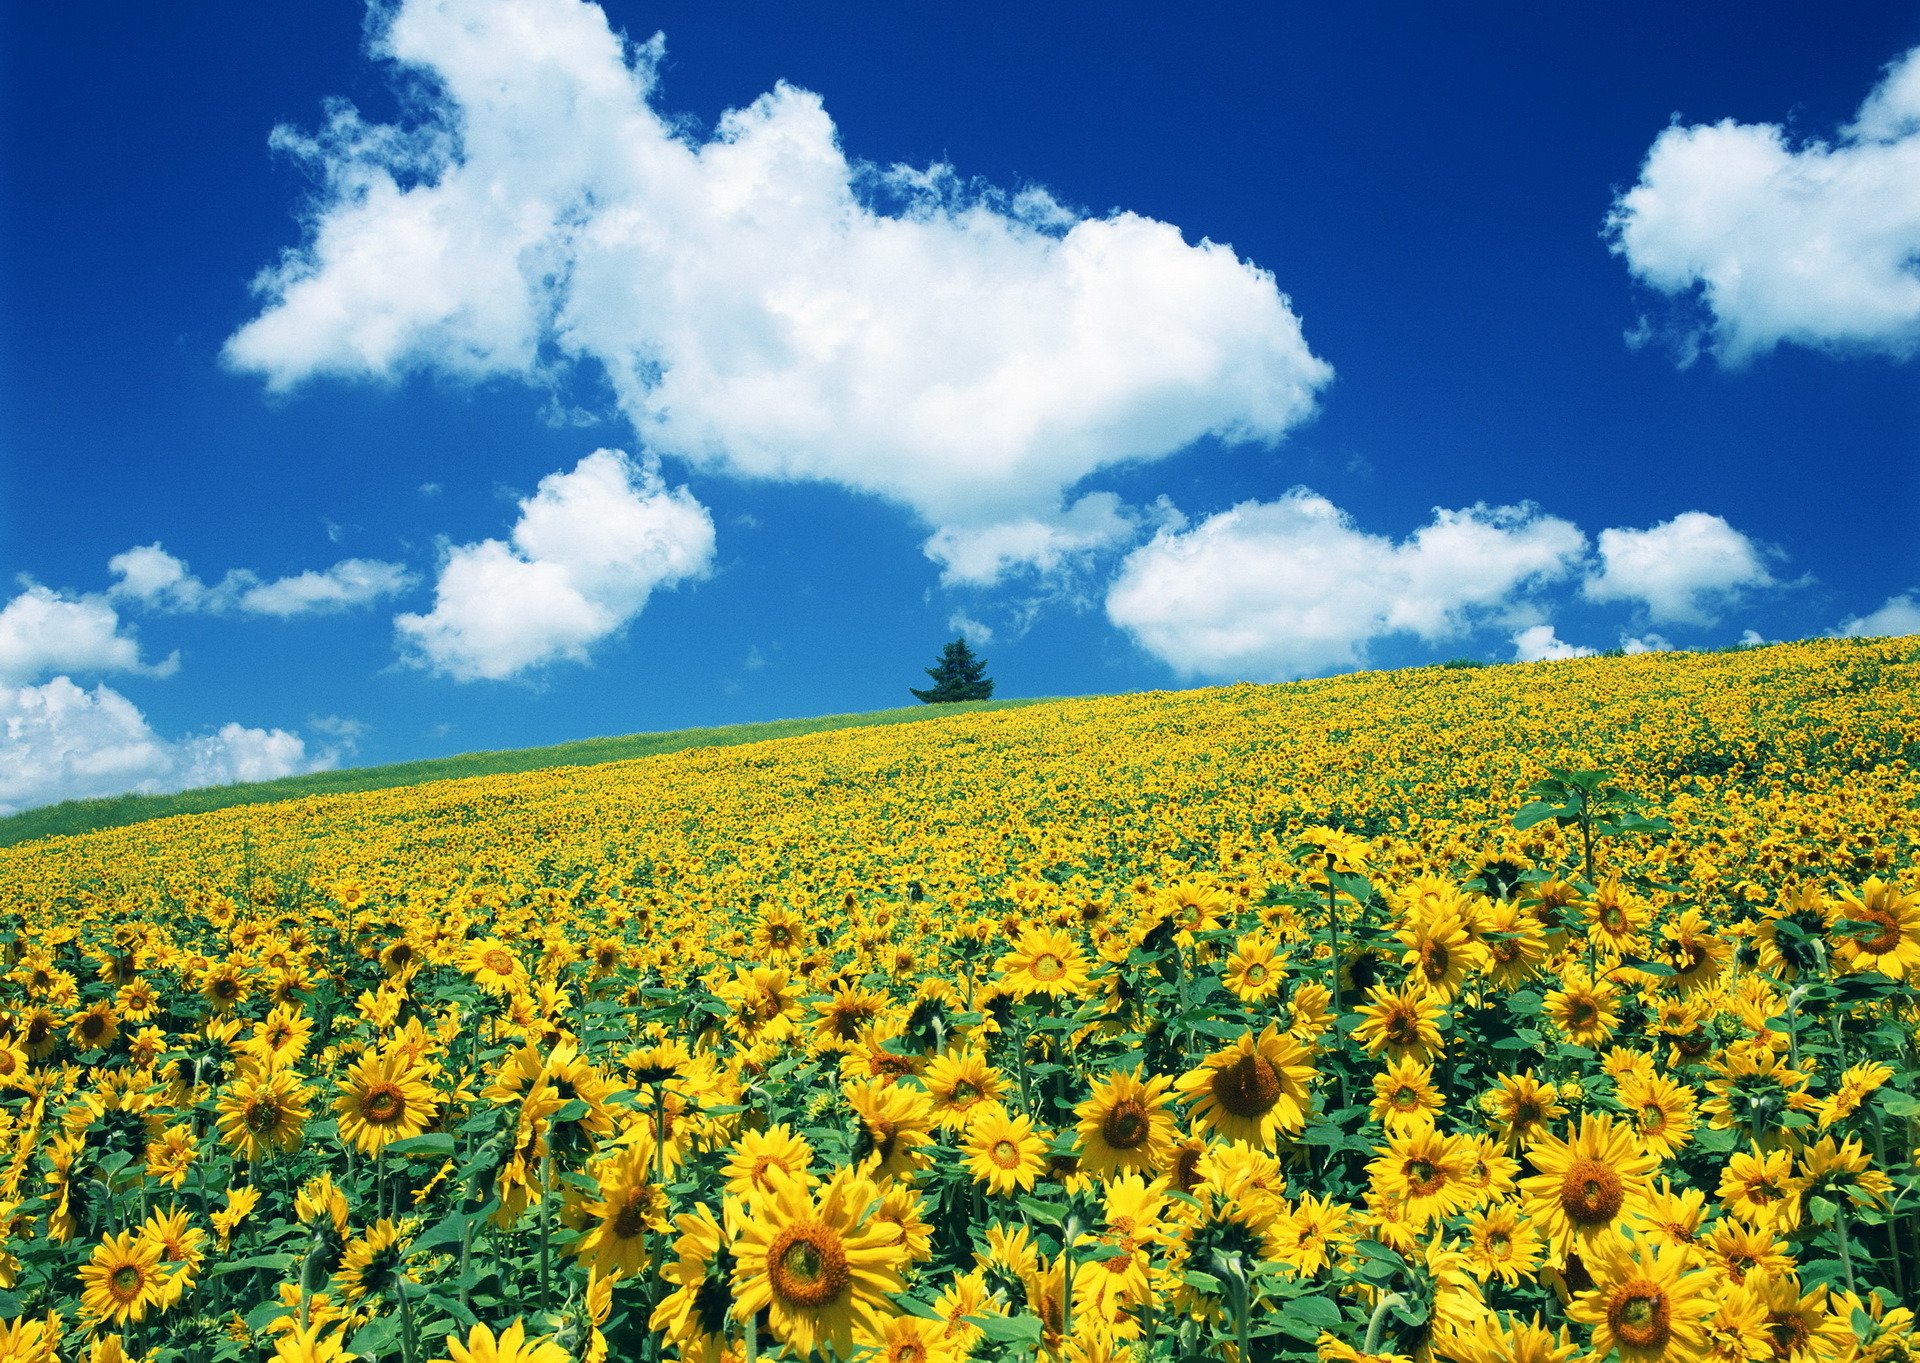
[(1893, 1220), (1840, 1229), (1377, 1324), (546, 1226)]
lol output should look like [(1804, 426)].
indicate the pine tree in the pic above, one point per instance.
[(958, 675)]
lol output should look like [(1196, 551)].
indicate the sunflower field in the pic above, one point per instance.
[(1493, 1015)]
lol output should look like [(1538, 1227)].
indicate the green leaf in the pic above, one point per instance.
[(434, 1143), (376, 1338), (1316, 1310), (1022, 1330)]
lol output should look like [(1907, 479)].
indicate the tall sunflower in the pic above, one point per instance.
[(818, 1267), (1646, 1304), (1587, 1183), (1045, 961), (1877, 929), (264, 1109), (1125, 1124), (511, 1345), (629, 1208), (383, 1098), (123, 1278), (1003, 1151), (1252, 1091), (959, 1080)]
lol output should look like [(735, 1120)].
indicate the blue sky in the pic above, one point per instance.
[(538, 378)]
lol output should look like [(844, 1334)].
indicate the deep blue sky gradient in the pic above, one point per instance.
[(1428, 184)]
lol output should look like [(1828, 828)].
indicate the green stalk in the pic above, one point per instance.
[(1376, 1326), (546, 1225)]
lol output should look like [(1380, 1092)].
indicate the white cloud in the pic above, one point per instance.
[(586, 553), (970, 629), (761, 305), (1753, 638), (1291, 588), (980, 556), (59, 741), (350, 582), (1898, 615), (1684, 570), (1814, 244), (1645, 643), (1539, 643), (153, 578), (43, 632)]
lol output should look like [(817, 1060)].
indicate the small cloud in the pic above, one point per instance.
[(1753, 638), (430, 489), (348, 583), (1645, 643), (980, 556), (755, 659), (1539, 643), (1898, 615), (43, 632), (1684, 570), (588, 550), (969, 628)]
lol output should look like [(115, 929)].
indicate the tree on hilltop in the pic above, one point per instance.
[(957, 675)]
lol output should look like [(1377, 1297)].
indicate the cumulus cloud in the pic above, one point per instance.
[(762, 304), (1683, 570), (1645, 643), (151, 577), (43, 632), (60, 741), (588, 550), (1539, 644), (1292, 587), (969, 628), (1813, 243), (1898, 615), (980, 556)]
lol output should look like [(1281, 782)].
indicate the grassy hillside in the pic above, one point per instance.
[(86, 816)]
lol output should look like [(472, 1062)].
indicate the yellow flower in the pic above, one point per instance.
[(123, 1278), (1403, 1022), (263, 1110), (1045, 961), (695, 1316), (1404, 1095), (1586, 1184), (1253, 1091), (383, 1098), (1125, 1125), (1877, 929), (240, 1204), (1003, 1151), (511, 1345), (958, 1081), (818, 1266), (1645, 1303), (630, 1208)]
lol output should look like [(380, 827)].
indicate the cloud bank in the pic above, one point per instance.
[(588, 550), (1684, 571), (151, 577), (762, 304), (1813, 243)]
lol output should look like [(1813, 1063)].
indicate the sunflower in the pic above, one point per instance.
[(1254, 971), (281, 1039), (1752, 1091), (905, 1210), (1695, 950), (818, 1267), (909, 1339), (371, 1262), (1645, 1303), (630, 1207), (1440, 952), (31, 1341), (1586, 1184), (1423, 1174), (383, 1098), (1515, 944), (1502, 1245), (511, 1345), (1802, 1326), (1404, 1095), (1586, 1010), (311, 1343), (1493, 1338), (758, 1157), (895, 1126), (1877, 929), (494, 967), (181, 1253), (170, 1155), (694, 1317), (264, 1109), (1003, 1151), (1045, 961), (241, 1201), (1855, 1087), (1252, 1091), (1311, 1234), (1615, 919), (1841, 1169), (123, 1278), (1403, 1022), (957, 1082), (95, 1028), (1125, 1125), (1659, 1109)]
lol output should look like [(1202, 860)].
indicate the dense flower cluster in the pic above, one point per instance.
[(1507, 1015)]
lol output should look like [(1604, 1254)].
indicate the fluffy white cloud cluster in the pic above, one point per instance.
[(1814, 244), (762, 305), (1541, 644), (61, 741), (42, 631), (1898, 615), (1292, 588), (1683, 570), (588, 550), (151, 577)]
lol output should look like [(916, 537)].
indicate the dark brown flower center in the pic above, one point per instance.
[(807, 1265), (126, 1282), (1640, 1315), (1247, 1087), (383, 1105), (1126, 1126), (1591, 1193)]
